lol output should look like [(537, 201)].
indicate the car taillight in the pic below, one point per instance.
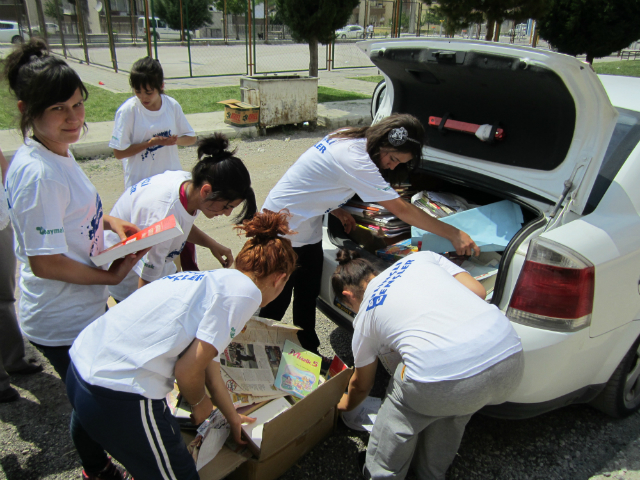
[(554, 290)]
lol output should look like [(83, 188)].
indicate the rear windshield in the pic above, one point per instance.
[(625, 137)]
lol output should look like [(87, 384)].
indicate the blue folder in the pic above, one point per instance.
[(491, 226)]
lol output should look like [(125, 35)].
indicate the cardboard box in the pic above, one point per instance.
[(285, 439), (240, 114)]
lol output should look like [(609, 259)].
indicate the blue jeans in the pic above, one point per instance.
[(138, 432)]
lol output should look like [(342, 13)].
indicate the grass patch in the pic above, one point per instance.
[(373, 78), (102, 104), (326, 94), (629, 68)]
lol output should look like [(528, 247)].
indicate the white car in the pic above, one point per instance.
[(52, 29), (162, 30), (351, 31), (569, 280), (10, 32)]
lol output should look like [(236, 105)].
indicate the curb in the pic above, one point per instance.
[(96, 142)]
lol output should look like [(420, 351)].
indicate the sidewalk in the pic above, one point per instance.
[(331, 115)]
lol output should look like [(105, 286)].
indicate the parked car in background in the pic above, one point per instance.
[(569, 280), (10, 32), (351, 31), (162, 30), (52, 29)]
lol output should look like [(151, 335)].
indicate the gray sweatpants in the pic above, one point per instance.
[(429, 419)]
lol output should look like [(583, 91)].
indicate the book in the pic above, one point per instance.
[(336, 367), (397, 251), (253, 431), (299, 370), (159, 232)]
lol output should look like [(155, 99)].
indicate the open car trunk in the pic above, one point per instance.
[(367, 243)]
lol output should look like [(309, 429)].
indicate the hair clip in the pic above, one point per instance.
[(399, 136)]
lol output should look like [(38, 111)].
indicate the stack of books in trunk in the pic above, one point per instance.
[(376, 218)]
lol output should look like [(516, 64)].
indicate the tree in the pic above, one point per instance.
[(169, 11), (462, 13), (315, 21), (594, 27), (235, 8), (50, 10)]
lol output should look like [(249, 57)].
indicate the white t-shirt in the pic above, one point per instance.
[(136, 124), (324, 178), (55, 209), (144, 204), (441, 329), (135, 345)]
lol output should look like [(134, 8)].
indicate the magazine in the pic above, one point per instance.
[(299, 370)]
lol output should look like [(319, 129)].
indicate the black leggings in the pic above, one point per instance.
[(305, 284)]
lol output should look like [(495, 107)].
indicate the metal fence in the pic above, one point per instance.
[(204, 42)]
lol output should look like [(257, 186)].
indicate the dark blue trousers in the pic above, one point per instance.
[(138, 432)]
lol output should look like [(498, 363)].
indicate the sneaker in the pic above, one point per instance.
[(110, 472), (9, 395)]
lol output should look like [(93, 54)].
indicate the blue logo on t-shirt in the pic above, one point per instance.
[(380, 293), (93, 227), (142, 183), (150, 150), (193, 276), (177, 251)]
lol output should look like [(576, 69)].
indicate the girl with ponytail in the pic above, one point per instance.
[(55, 210), (218, 183), (458, 354), (57, 218), (126, 362)]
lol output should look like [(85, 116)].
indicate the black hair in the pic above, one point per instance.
[(377, 136), (351, 272), (226, 173), (146, 72), (39, 80)]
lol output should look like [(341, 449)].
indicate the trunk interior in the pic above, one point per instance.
[(367, 243)]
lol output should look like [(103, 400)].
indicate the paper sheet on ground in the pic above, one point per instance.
[(363, 416), (490, 226)]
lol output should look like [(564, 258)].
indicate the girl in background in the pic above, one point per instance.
[(218, 183)]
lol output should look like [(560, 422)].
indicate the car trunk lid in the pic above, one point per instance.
[(556, 117)]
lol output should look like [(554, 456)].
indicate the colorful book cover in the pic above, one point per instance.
[(165, 229), (299, 370)]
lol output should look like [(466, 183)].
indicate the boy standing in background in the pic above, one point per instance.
[(147, 131), (149, 127)]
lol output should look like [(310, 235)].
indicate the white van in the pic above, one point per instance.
[(162, 30)]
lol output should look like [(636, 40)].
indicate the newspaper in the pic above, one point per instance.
[(250, 363)]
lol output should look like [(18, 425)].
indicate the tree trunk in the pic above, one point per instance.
[(489, 35), (589, 59), (313, 57), (496, 37)]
